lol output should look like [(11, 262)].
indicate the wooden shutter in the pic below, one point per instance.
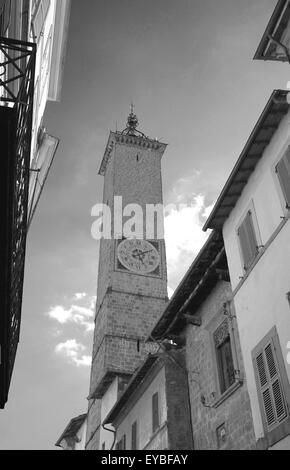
[(270, 387), (248, 240), (134, 436), (39, 18), (283, 172), (155, 412)]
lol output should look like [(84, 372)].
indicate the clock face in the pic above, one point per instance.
[(139, 256)]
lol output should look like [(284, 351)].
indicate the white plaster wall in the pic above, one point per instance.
[(42, 84), (263, 189), (261, 301), (282, 445), (141, 412), (82, 437), (108, 401)]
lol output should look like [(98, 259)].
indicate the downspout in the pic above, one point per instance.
[(112, 431)]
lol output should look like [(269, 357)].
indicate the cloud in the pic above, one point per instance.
[(170, 292), (80, 295), (60, 314), (184, 236), (79, 314), (74, 352)]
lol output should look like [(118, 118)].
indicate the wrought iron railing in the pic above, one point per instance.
[(17, 72)]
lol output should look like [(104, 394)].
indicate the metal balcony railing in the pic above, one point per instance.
[(17, 70)]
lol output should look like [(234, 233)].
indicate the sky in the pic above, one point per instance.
[(188, 67)]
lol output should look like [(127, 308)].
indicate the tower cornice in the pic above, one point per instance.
[(132, 140)]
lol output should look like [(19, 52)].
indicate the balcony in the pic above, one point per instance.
[(17, 69)]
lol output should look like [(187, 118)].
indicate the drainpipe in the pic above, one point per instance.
[(112, 431)]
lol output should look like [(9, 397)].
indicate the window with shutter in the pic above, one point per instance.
[(248, 240), (270, 384), (39, 18), (225, 362), (155, 412), (283, 173), (134, 436)]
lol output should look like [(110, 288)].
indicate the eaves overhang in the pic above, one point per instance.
[(268, 123), (118, 138), (200, 279), (72, 428), (267, 49)]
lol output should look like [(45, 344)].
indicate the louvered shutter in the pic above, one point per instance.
[(39, 18), (248, 240), (155, 412), (283, 172), (270, 386)]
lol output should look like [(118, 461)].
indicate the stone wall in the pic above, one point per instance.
[(228, 413)]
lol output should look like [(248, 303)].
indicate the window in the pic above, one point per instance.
[(104, 446), (45, 63), (225, 362), (39, 17), (248, 240), (283, 172), (272, 382), (155, 412), (134, 445), (121, 445), (5, 7)]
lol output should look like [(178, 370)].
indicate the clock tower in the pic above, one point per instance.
[(132, 276)]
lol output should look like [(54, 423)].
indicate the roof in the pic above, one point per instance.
[(275, 28), (72, 428), (136, 380), (196, 285), (128, 139), (270, 119)]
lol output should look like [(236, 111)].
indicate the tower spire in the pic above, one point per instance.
[(132, 123)]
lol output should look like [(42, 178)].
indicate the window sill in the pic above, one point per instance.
[(227, 393), (273, 437)]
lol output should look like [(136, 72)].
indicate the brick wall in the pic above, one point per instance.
[(178, 407), (128, 305), (93, 425), (234, 413)]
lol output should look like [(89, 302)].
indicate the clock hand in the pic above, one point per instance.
[(145, 252)]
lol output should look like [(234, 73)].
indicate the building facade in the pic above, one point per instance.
[(153, 413), (201, 315), (132, 280), (33, 36), (74, 435), (253, 214)]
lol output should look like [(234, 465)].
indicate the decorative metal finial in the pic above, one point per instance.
[(132, 124), (132, 121)]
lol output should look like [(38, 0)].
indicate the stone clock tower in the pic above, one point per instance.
[(132, 277)]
